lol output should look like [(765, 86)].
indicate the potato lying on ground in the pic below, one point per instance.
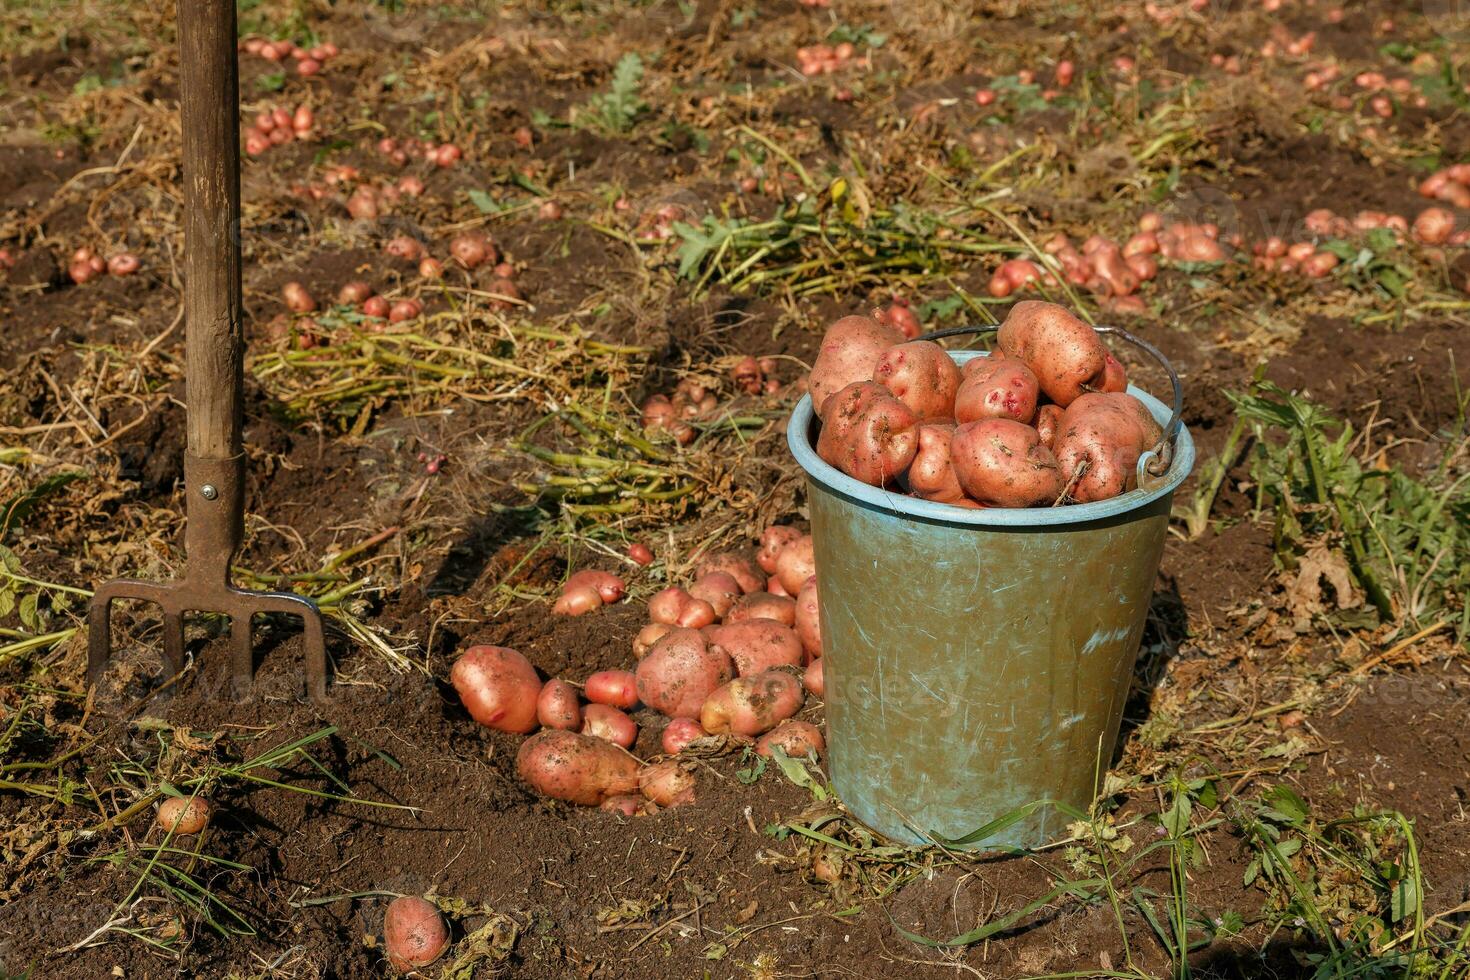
[(627, 804), (680, 672), (796, 738), (740, 569), (559, 707), (667, 783), (1001, 463), (618, 688), (850, 351), (1066, 355), (498, 686), (606, 722), (676, 607), (1099, 440), (814, 678), (648, 636), (756, 645), (763, 605), (808, 625), (1048, 418), (183, 814), (576, 768), (577, 600), (773, 540), (610, 588), (719, 589), (998, 389), (922, 375), (414, 933), (797, 563), (679, 733), (868, 434), (930, 475), (752, 705)]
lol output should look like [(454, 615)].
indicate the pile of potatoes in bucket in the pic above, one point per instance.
[(1044, 420), (731, 657)]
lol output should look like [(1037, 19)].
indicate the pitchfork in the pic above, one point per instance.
[(214, 460)]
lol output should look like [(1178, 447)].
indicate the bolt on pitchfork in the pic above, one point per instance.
[(214, 459)]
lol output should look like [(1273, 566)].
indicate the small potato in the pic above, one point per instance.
[(1064, 353), (752, 705), (719, 589), (610, 588), (679, 733), (797, 739), (559, 707), (808, 619), (1005, 389), (618, 688), (628, 805), (472, 249), (577, 601), (850, 351), (183, 815), (756, 645), (414, 933), (773, 540), (813, 679), (798, 562), (922, 375), (763, 605), (868, 434), (576, 768), (298, 300), (1115, 376), (740, 569), (499, 688), (680, 672), (648, 636), (668, 783), (900, 315), (354, 292), (1048, 418), (606, 722), (677, 607), (1002, 463), (1098, 443), (930, 475)]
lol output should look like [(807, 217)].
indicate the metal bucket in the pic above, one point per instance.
[(977, 661)]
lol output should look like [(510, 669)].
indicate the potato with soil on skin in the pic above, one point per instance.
[(1099, 440), (774, 540), (922, 375), (1115, 376), (808, 621), (648, 636), (414, 933), (618, 688), (756, 645), (558, 706), (868, 434), (1001, 463), (610, 588), (931, 476), (627, 804), (668, 783), (680, 672), (752, 705), (719, 589), (740, 569), (998, 389), (796, 738), (762, 605), (678, 733), (183, 815), (498, 687), (850, 351), (797, 563), (578, 600), (1048, 419), (1066, 355), (676, 607), (814, 677), (606, 722), (576, 768)]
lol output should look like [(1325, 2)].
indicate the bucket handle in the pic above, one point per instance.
[(1153, 463)]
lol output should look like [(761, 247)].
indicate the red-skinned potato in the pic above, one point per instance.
[(774, 587), (678, 608), (798, 739), (1098, 443), (930, 475), (628, 805), (680, 672), (668, 783), (648, 636), (679, 733), (719, 589), (922, 376), (740, 569), (610, 588), (577, 600), (849, 353), (1115, 376), (1002, 463), (773, 540), (900, 316), (762, 605), (576, 768), (752, 705), (618, 688), (796, 564), (1066, 355), (559, 707), (813, 678), (756, 645), (1048, 418), (808, 621), (997, 389), (499, 688), (183, 814), (606, 722), (868, 434), (414, 933)]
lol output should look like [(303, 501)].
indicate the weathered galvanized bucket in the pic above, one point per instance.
[(977, 661)]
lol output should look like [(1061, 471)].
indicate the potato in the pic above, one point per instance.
[(1099, 440), (922, 375), (1115, 376), (752, 705), (559, 707), (668, 783), (1048, 418), (618, 688), (576, 768), (1001, 463), (719, 589), (773, 540), (628, 805), (648, 636), (868, 434), (798, 562), (998, 389), (740, 569), (756, 645), (577, 600), (606, 722), (797, 739), (808, 624), (678, 608), (610, 588), (680, 672), (850, 351), (183, 815), (930, 475), (414, 933), (679, 733), (813, 679), (775, 588), (1066, 355), (499, 688), (763, 605)]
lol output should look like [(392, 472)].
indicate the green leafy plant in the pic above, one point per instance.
[(619, 107)]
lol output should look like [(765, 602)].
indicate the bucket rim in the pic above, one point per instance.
[(799, 439)]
